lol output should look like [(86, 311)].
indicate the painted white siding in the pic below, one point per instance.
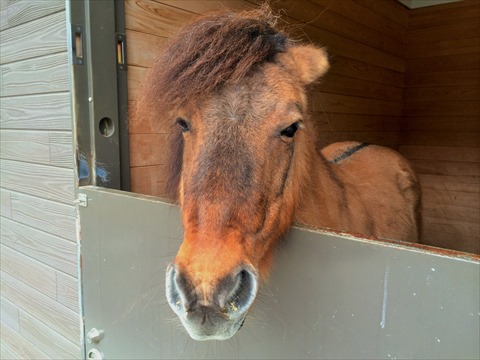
[(40, 315)]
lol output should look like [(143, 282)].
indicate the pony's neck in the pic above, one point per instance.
[(321, 202)]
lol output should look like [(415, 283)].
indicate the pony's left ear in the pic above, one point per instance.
[(306, 61)]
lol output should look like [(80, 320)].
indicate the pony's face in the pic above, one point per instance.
[(244, 156)]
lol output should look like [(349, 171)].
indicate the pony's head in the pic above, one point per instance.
[(233, 88)]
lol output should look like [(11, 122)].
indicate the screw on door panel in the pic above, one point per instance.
[(94, 354), (94, 335)]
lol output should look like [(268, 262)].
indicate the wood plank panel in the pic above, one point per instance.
[(35, 112), (444, 63), (44, 36), (43, 308), (451, 212), (385, 138), (323, 18), (463, 199), (442, 123), (460, 154), (154, 18), (150, 149), (143, 48), (344, 104), (457, 12), (68, 291), (367, 17), (49, 216), (392, 10), (9, 314), (450, 183), (49, 249), (443, 48), (345, 85), (355, 122), (451, 234), (442, 94), (29, 271), (451, 31), (148, 180), (15, 346), (30, 179), (201, 7), (443, 108), (20, 12), (442, 167), (6, 203), (55, 345), (339, 45), (41, 147), (45, 74), (443, 78), (441, 138), (362, 70)]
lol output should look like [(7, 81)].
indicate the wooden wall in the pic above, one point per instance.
[(384, 87), (441, 128), (40, 315)]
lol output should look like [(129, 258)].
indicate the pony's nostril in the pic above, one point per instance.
[(179, 291), (243, 292)]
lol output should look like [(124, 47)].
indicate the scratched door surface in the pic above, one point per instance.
[(329, 296)]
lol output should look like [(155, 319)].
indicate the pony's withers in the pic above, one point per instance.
[(231, 90)]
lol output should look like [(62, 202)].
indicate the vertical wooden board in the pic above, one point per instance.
[(35, 76), (51, 313), (9, 313), (49, 249), (30, 272), (47, 340), (45, 112), (44, 36), (49, 216), (68, 291), (15, 346), (48, 182), (20, 12)]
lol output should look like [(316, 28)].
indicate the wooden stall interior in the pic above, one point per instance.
[(404, 78)]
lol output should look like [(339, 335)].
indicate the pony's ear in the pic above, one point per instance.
[(306, 61)]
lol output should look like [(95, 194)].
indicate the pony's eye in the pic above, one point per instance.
[(183, 124), (290, 131)]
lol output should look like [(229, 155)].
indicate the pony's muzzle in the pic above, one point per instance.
[(211, 312)]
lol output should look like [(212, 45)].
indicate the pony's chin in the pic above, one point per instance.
[(224, 332)]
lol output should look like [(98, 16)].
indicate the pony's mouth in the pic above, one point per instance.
[(214, 330)]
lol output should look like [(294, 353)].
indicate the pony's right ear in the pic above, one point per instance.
[(307, 61)]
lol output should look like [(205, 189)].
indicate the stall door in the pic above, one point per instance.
[(329, 296)]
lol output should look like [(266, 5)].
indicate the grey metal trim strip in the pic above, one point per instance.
[(99, 95)]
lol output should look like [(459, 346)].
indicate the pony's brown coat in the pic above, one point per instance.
[(236, 84)]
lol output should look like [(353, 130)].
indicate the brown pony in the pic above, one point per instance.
[(231, 88)]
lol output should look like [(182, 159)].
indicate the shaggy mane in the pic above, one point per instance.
[(210, 52)]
